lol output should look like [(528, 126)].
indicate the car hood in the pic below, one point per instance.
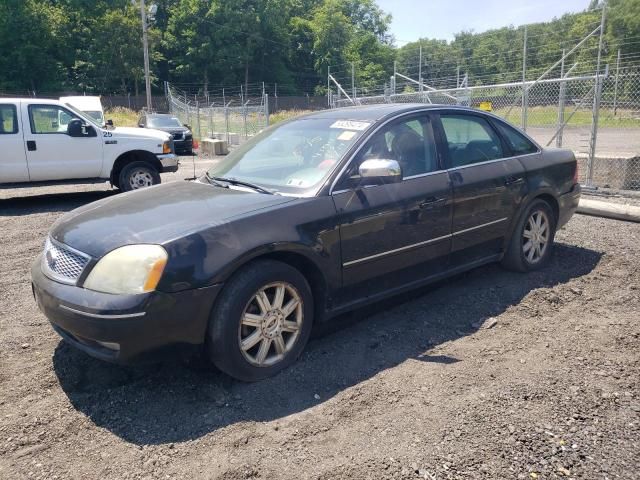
[(140, 133), (155, 215), (172, 129)]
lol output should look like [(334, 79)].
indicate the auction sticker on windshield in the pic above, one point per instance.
[(350, 125)]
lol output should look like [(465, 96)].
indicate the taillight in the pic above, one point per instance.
[(575, 174)]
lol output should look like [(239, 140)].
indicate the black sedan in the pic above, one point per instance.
[(182, 136), (309, 219)]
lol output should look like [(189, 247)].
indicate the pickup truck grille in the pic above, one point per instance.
[(178, 136), (62, 263)]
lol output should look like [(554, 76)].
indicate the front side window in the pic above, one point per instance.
[(470, 139), (409, 142), (8, 119), (50, 118), (293, 157), (519, 144)]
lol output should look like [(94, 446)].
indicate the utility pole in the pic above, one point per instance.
[(524, 79), (145, 46)]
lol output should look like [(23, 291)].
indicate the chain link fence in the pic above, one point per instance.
[(233, 120), (596, 117)]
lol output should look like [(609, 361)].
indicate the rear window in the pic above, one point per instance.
[(8, 119), (518, 143)]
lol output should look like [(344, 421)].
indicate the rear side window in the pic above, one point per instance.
[(470, 139), (8, 119), (519, 144)]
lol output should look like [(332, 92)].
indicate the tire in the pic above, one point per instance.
[(136, 175), (519, 257), (271, 341)]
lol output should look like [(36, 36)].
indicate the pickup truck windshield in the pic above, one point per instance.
[(291, 158), (160, 122)]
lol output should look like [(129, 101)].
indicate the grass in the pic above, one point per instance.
[(286, 115), (548, 117), (122, 117)]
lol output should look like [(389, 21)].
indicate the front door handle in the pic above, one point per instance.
[(31, 145), (432, 202), (513, 180)]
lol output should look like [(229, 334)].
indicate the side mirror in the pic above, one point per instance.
[(76, 128), (141, 125), (379, 171), (109, 123), (187, 126)]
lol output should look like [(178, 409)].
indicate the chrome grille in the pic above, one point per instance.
[(63, 263)]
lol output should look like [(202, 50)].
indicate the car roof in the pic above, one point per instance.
[(159, 115), (377, 112)]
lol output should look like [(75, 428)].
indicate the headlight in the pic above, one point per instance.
[(128, 270)]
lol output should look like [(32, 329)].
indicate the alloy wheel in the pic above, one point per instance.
[(270, 324), (535, 236)]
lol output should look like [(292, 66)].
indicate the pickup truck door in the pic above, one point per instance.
[(51, 153), (13, 161)]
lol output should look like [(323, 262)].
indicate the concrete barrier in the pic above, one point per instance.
[(616, 211)]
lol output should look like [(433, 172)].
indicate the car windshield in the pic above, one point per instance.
[(80, 114), (160, 122), (95, 115), (291, 158)]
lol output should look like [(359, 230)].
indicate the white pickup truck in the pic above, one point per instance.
[(49, 141)]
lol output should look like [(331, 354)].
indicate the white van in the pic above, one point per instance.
[(87, 104)]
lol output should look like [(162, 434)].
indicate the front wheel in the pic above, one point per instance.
[(136, 175), (261, 322), (532, 240)]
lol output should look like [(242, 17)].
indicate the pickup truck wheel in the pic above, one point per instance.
[(532, 240), (136, 175), (261, 321)]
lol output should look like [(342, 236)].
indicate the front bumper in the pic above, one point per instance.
[(124, 328), (169, 162), (568, 204)]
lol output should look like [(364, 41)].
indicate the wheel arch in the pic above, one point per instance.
[(547, 195), (129, 157), (297, 257)]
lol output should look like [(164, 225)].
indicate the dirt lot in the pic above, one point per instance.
[(490, 375)]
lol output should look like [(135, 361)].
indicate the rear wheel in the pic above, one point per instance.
[(136, 175), (532, 240), (261, 322)]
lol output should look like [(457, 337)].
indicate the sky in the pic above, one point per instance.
[(442, 19)]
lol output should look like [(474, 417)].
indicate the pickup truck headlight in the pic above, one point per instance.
[(166, 147), (128, 270)]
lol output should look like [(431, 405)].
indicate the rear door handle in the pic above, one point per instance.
[(513, 180), (31, 145), (432, 202)]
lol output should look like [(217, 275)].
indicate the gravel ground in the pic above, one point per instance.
[(489, 375)]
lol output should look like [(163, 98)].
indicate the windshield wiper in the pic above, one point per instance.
[(233, 181), (212, 181)]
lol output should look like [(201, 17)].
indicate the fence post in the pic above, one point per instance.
[(525, 98), (615, 88), (561, 101), (244, 120), (198, 120), (266, 108), (226, 122), (596, 105)]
